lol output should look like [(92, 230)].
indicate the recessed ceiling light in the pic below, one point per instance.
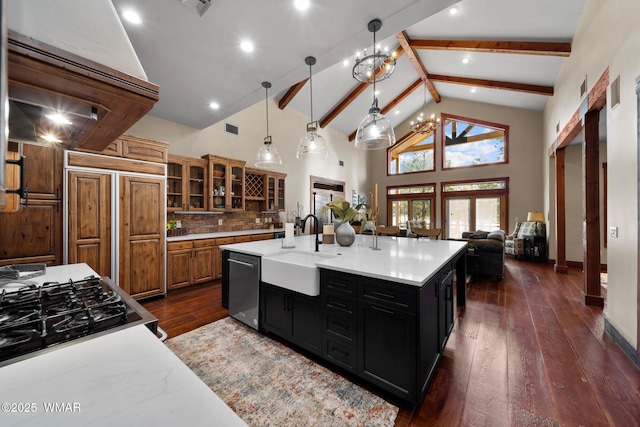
[(376, 93), (465, 60), (214, 105), (301, 4), (454, 10), (247, 46), (397, 112), (473, 90), (345, 62), (132, 16)]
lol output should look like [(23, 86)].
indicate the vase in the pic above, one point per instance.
[(345, 234)]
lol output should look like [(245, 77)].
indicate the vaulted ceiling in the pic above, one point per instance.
[(512, 52)]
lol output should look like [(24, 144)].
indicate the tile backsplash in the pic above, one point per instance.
[(232, 221)]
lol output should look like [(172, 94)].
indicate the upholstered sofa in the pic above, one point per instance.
[(490, 249), (514, 242)]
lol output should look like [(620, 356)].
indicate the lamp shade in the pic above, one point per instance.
[(268, 157), (535, 216), (375, 132)]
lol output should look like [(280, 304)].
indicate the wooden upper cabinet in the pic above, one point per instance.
[(118, 99), (227, 183), (136, 148), (187, 184), (43, 171), (274, 190)]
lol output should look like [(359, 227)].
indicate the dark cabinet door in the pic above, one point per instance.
[(275, 310), (445, 309), (387, 348), (306, 322)]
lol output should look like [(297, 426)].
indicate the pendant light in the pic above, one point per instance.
[(268, 157), (375, 131), (422, 125), (312, 144)]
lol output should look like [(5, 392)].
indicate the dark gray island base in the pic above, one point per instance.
[(386, 333)]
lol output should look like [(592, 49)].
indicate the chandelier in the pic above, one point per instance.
[(375, 67), (375, 131), (425, 125)]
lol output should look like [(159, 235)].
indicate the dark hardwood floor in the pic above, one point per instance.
[(524, 352)]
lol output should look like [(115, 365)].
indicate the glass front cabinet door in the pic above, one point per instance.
[(227, 183), (186, 184), (274, 186)]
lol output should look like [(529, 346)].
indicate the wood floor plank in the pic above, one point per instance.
[(523, 352)]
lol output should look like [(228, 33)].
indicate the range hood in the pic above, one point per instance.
[(102, 103), (45, 118)]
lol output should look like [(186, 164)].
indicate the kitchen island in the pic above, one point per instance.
[(123, 378), (383, 315)]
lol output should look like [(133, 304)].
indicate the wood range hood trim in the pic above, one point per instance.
[(120, 99)]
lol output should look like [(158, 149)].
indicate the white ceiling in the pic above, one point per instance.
[(196, 60)]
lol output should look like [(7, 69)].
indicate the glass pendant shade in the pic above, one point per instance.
[(312, 144), (268, 157), (375, 131)]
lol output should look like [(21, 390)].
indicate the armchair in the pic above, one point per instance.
[(514, 242)]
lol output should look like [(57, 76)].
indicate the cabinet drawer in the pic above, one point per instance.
[(340, 326), (242, 239), (390, 294), (258, 237), (176, 246), (224, 241), (203, 243), (339, 303), (338, 283), (343, 355)]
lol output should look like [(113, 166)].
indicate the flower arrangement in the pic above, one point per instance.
[(343, 211)]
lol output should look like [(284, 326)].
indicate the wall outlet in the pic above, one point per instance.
[(517, 219), (178, 224), (613, 232), (219, 222), (257, 220)]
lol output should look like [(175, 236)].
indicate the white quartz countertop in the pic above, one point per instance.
[(124, 378), (128, 378), (400, 259), (222, 234)]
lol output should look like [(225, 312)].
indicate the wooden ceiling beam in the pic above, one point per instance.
[(492, 46), (352, 95), (404, 41), (494, 84), (291, 93)]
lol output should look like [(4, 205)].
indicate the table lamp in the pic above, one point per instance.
[(535, 217)]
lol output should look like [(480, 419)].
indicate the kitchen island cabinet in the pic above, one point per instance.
[(384, 316), (292, 316)]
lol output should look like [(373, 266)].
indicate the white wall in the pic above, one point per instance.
[(524, 168), (286, 128), (608, 36)]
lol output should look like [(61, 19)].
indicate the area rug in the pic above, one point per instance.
[(268, 384)]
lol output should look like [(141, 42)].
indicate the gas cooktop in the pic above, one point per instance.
[(36, 318)]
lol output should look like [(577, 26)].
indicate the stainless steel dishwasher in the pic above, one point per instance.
[(244, 286)]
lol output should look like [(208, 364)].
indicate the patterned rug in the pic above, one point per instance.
[(268, 384)]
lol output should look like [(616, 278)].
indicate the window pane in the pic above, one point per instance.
[(415, 154), (468, 143), (459, 213), (421, 209), (475, 186), (399, 212), (488, 213), (412, 190)]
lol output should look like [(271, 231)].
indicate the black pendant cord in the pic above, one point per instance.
[(374, 71), (311, 91), (266, 103)]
